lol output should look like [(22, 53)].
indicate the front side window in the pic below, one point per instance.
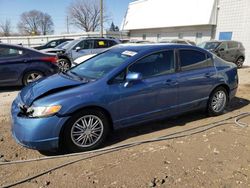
[(154, 65), (192, 59), (85, 44), (10, 52)]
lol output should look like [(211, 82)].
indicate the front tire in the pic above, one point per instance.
[(217, 101), (63, 64), (85, 131)]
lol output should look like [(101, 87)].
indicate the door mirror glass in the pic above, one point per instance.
[(132, 77), (78, 48)]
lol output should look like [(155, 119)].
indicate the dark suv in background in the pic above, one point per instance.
[(231, 51), (52, 44)]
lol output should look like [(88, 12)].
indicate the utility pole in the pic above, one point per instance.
[(67, 24), (101, 19)]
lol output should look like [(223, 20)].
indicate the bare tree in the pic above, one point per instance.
[(5, 28), (46, 25), (85, 14), (35, 23)]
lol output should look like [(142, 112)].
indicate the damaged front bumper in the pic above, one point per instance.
[(36, 133)]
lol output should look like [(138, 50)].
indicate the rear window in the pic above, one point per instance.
[(192, 59)]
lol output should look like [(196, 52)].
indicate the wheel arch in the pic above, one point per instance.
[(225, 86)]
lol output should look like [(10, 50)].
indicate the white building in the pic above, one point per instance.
[(196, 20)]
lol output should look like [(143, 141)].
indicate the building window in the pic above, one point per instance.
[(144, 37), (180, 35), (225, 35)]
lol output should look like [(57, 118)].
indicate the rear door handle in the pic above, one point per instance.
[(171, 82), (208, 75)]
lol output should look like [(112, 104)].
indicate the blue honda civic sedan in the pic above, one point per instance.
[(123, 86)]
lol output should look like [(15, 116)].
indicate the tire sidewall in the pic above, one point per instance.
[(211, 112), (67, 142)]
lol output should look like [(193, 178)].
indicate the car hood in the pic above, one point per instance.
[(48, 86)]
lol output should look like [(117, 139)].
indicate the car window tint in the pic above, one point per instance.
[(154, 65), (101, 44), (10, 52), (192, 59), (232, 45), (85, 44), (111, 43), (52, 44)]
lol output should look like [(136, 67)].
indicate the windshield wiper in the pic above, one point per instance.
[(79, 77)]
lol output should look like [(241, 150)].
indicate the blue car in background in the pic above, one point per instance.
[(21, 66), (123, 86)]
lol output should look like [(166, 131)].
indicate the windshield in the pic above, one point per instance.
[(70, 44), (100, 65), (209, 45), (60, 46)]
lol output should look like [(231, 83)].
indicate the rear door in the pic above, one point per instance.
[(12, 64), (100, 45), (196, 78)]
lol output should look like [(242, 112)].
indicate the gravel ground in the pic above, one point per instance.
[(219, 157)]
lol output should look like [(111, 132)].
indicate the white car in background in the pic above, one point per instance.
[(82, 59)]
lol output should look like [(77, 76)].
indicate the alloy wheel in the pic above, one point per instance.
[(32, 77), (63, 65), (219, 101), (87, 131)]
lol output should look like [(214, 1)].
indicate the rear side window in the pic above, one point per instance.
[(192, 59), (232, 45), (155, 65), (101, 44), (10, 52)]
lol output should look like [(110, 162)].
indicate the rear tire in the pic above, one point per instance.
[(217, 101), (32, 76), (86, 130), (240, 62)]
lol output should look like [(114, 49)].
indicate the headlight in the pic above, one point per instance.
[(43, 111)]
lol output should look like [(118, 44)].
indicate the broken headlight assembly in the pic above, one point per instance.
[(43, 111)]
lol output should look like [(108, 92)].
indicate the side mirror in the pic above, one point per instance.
[(78, 48), (132, 77)]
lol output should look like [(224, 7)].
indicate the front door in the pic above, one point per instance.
[(154, 95)]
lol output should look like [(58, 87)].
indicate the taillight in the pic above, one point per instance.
[(50, 59)]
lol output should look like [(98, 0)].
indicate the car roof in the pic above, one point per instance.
[(154, 47)]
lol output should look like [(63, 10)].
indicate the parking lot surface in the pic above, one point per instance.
[(219, 157)]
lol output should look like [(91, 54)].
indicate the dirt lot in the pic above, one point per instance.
[(219, 157)]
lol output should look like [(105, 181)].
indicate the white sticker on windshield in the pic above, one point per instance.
[(129, 53)]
